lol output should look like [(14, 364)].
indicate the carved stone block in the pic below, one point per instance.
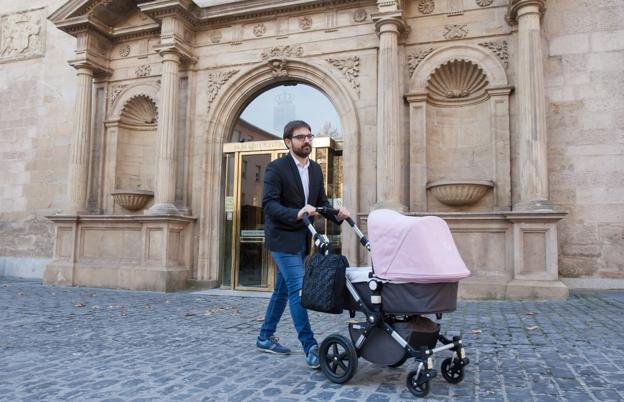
[(22, 35)]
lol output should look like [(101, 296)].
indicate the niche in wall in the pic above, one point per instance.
[(136, 142)]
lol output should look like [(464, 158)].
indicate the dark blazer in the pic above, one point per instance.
[(283, 197)]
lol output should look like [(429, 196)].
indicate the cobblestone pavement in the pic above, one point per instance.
[(87, 344)]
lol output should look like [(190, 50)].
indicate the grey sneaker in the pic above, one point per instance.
[(313, 357), (271, 345)]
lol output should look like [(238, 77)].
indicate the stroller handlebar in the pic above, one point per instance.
[(332, 211)]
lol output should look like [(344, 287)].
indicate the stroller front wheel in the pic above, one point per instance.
[(417, 384), (338, 358), (452, 371)]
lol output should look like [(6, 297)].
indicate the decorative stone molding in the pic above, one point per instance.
[(305, 23), (331, 20), (122, 94), (426, 6), (350, 67), (22, 35), (360, 15), (484, 3), (499, 49), (279, 67), (454, 7), (95, 4), (116, 90), (143, 71), (455, 31), (459, 193), (259, 30), (216, 81), (456, 80), (124, 51), (413, 60), (216, 36), (132, 200), (281, 52)]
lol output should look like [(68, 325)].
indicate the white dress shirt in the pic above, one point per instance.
[(305, 177)]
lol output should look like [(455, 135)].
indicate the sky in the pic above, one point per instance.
[(310, 105)]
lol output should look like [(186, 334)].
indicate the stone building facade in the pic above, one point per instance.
[(502, 116)]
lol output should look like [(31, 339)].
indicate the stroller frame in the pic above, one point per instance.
[(339, 354)]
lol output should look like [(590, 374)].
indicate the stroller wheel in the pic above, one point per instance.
[(452, 372), (419, 390), (338, 358), (400, 362)]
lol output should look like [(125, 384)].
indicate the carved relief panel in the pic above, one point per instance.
[(22, 35)]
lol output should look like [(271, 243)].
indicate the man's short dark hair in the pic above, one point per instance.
[(292, 126)]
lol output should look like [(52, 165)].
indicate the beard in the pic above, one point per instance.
[(302, 151)]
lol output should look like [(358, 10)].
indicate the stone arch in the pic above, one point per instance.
[(223, 112), (491, 66), (149, 91)]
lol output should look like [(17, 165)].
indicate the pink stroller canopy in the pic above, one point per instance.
[(411, 249)]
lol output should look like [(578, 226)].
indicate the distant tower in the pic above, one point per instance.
[(283, 111)]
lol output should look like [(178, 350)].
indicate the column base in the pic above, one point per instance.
[(393, 205), (482, 288), (163, 209), (534, 206)]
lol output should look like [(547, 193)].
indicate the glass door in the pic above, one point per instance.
[(248, 265), (254, 261)]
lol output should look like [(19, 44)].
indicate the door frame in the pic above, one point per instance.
[(275, 149)]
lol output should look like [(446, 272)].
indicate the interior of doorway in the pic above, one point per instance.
[(256, 139)]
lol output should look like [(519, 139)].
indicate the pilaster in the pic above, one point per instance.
[(391, 140), (166, 158), (532, 136)]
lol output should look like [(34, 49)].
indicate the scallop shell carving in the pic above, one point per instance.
[(456, 80), (140, 110)]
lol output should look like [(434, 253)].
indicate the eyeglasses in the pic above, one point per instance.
[(303, 137)]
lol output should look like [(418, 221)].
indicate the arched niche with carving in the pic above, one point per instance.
[(131, 138), (459, 132)]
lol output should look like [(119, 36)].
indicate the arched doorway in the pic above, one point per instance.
[(218, 126), (255, 140)]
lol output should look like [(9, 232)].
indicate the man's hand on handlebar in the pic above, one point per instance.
[(340, 213), (308, 209), (343, 213)]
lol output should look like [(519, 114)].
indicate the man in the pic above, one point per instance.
[(293, 186)]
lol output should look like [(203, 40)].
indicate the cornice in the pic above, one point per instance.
[(184, 9), (252, 9)]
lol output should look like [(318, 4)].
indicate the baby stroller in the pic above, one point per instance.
[(415, 272)]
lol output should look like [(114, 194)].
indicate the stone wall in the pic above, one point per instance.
[(584, 78), (585, 110), (36, 106)]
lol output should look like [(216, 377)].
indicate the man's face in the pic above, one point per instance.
[(301, 142)]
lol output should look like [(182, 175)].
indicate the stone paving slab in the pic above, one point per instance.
[(82, 344)]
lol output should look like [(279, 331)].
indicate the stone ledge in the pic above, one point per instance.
[(527, 289), (593, 283)]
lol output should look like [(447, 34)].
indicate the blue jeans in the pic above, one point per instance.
[(288, 283)]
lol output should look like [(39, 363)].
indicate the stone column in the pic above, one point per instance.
[(77, 178), (391, 141), (164, 193), (532, 171)]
